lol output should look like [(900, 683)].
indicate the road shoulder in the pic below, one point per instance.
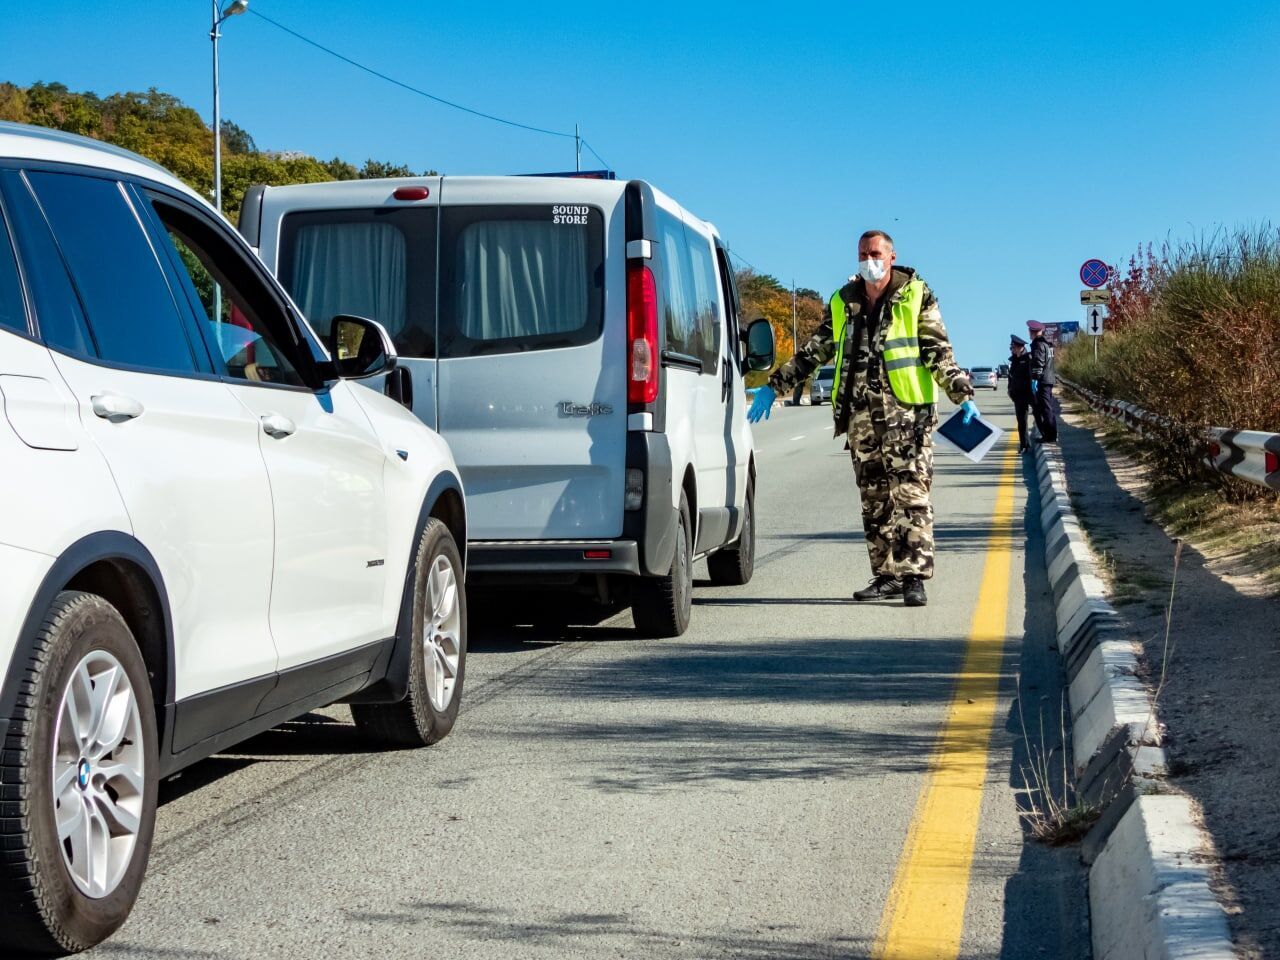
[(1215, 699)]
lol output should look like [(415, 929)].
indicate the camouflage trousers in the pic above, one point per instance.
[(892, 449)]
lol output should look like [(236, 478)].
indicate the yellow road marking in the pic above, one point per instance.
[(924, 916)]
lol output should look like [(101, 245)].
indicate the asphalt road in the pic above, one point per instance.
[(746, 791)]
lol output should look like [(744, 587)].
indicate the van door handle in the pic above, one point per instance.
[(115, 408), (726, 380), (278, 427)]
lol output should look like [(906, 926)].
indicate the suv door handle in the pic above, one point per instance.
[(115, 408), (277, 427)]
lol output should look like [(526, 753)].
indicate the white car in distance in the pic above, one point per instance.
[(207, 529)]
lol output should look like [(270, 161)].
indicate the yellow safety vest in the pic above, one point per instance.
[(909, 378)]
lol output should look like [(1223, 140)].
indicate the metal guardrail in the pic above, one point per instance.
[(1248, 454)]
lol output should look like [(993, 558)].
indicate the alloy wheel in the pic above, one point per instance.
[(441, 642), (98, 773)]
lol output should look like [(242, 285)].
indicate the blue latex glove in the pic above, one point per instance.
[(970, 410), (763, 405), (1035, 386)]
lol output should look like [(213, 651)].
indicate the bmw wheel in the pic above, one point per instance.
[(78, 781), (437, 659)]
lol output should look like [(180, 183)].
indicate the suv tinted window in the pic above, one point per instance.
[(516, 278), (379, 264), (243, 325), (126, 297), (13, 311)]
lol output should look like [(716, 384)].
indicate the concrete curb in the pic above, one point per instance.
[(1149, 892)]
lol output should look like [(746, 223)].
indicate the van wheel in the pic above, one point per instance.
[(662, 605), (733, 566), (77, 782), (437, 659)]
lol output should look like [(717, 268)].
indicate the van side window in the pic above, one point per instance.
[(13, 311), (677, 288), (245, 328), (733, 322), (706, 299), (691, 310), (126, 296), (379, 264), (520, 277)]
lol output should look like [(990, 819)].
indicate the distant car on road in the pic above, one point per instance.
[(208, 529), (983, 377), (1002, 371), (820, 387)]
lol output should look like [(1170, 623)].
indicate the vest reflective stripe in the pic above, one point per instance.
[(909, 378), (902, 363), (902, 342)]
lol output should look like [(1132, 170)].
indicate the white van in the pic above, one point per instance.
[(576, 341)]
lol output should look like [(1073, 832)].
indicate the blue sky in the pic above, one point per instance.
[(1001, 143)]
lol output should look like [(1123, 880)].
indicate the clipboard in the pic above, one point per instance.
[(973, 439)]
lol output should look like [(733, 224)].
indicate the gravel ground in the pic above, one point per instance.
[(1219, 701)]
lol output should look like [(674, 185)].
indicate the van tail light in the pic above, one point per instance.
[(642, 334)]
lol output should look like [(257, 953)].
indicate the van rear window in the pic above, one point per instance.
[(520, 277), (375, 263)]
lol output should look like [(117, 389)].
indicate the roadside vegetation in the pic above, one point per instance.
[(764, 296), (162, 128), (1193, 336)]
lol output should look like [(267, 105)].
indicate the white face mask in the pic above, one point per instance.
[(872, 271)]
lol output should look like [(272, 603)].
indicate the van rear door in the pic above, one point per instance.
[(532, 350), (375, 261)]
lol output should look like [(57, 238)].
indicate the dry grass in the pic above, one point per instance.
[(1055, 813)]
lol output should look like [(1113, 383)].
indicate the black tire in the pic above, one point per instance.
[(415, 721), (43, 912), (734, 565), (662, 606)]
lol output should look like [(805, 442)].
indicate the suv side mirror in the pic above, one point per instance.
[(761, 349), (360, 347)]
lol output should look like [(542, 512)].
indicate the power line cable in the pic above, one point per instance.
[(420, 92)]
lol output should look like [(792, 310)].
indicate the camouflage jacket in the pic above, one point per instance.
[(860, 376)]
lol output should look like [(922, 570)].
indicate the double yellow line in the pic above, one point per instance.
[(924, 916)]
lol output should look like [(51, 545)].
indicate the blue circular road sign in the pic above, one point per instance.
[(1094, 273)]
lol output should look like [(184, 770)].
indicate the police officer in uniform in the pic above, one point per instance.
[(1020, 386), (884, 332), (1043, 379)]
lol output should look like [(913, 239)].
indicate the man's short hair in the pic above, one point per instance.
[(872, 234)]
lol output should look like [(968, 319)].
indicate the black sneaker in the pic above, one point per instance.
[(913, 594), (881, 588)]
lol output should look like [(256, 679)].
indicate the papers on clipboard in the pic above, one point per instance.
[(973, 439)]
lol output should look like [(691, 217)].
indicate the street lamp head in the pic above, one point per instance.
[(235, 7)]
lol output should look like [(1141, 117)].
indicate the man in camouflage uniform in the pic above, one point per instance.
[(890, 440)]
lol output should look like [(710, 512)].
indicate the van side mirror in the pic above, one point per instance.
[(399, 387), (360, 347), (761, 348)]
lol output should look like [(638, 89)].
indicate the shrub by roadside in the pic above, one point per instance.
[(1193, 335)]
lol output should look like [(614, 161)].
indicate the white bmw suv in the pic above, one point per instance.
[(205, 529)]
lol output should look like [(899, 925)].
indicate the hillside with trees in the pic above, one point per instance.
[(764, 296), (162, 128)]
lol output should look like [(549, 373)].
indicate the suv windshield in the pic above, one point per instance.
[(826, 375)]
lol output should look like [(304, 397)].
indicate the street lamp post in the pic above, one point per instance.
[(232, 9)]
